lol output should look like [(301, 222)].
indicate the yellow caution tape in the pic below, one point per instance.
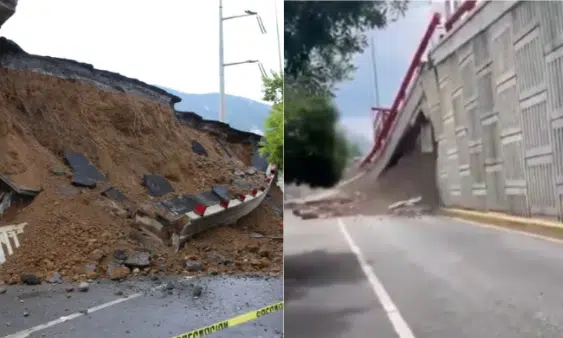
[(225, 324)]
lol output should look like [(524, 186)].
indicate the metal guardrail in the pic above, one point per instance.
[(220, 215), (9, 240)]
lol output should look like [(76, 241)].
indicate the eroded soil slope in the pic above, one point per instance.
[(124, 136)]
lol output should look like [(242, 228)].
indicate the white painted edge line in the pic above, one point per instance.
[(25, 333), (399, 324)]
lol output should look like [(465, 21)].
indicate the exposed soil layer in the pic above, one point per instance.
[(71, 231)]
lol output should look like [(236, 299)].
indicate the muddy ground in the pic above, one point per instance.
[(76, 233)]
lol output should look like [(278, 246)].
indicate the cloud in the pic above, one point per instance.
[(394, 48), (172, 43), (257, 131)]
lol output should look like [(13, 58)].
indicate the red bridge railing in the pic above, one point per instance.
[(385, 121)]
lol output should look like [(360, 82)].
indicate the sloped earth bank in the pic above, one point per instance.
[(412, 176), (76, 232)]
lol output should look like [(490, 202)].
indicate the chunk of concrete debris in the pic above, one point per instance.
[(5, 201), (118, 272), (193, 266), (409, 202), (156, 185), (58, 172), (3, 290), (83, 181), (54, 278), (198, 148), (238, 172), (120, 255), (141, 259), (413, 201), (241, 184), (114, 194), (197, 291), (83, 287), (30, 279), (251, 171)]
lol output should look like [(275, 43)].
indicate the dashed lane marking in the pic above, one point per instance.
[(25, 333), (399, 324)]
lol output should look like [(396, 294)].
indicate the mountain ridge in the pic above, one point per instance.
[(241, 113)]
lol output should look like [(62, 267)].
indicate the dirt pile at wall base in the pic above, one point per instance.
[(412, 176), (74, 231)]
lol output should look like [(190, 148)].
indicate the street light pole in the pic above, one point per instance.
[(278, 35), (222, 64), (221, 68)]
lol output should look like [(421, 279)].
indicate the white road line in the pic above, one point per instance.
[(399, 324), (25, 333)]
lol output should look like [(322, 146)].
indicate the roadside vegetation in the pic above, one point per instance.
[(320, 40)]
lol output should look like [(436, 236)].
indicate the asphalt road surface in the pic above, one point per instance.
[(142, 308), (427, 277)]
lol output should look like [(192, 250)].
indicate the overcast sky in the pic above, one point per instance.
[(394, 49), (172, 43)]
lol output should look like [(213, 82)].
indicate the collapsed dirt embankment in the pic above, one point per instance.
[(77, 232), (409, 174)]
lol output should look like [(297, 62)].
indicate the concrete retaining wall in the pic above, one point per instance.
[(495, 97)]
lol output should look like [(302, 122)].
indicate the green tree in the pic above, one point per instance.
[(320, 39), (317, 154), (272, 147)]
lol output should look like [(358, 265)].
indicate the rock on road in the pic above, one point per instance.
[(432, 277)]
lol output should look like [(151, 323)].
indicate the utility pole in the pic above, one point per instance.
[(221, 68), (222, 63), (278, 34), (374, 65)]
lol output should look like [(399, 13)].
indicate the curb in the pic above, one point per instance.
[(532, 225)]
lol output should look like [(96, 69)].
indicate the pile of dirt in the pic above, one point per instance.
[(414, 175), (75, 232)]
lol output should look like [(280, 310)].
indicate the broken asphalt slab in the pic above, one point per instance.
[(114, 194), (165, 307), (207, 198), (7, 183), (222, 192), (156, 185), (179, 205), (198, 148), (84, 173)]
